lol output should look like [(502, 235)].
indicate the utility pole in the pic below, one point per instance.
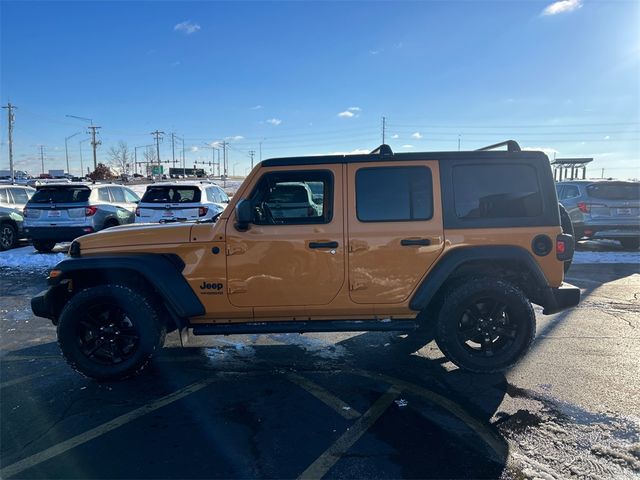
[(66, 149), (260, 149), (224, 162), (42, 157), (384, 128), (459, 142), (157, 137), (183, 157), (94, 144), (173, 149), (11, 119), (252, 154)]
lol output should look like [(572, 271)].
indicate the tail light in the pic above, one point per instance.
[(585, 207), (89, 211), (564, 247), (137, 211), (202, 211)]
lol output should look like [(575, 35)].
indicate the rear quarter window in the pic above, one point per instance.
[(496, 191)]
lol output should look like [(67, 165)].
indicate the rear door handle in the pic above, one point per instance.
[(323, 244), (406, 242)]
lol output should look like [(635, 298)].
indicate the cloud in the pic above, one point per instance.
[(562, 6), (374, 52), (350, 112), (548, 151), (187, 27), (257, 107), (357, 151), (235, 138), (395, 135), (176, 63), (194, 149), (407, 146), (607, 137), (274, 121), (416, 135)]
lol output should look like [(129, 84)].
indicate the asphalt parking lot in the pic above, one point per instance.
[(369, 405)]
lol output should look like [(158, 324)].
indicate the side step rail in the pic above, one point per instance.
[(309, 326)]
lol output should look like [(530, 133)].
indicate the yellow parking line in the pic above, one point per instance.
[(26, 378), (73, 442), (330, 456), (324, 396)]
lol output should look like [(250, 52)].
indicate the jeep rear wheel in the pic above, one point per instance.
[(110, 332), (485, 325)]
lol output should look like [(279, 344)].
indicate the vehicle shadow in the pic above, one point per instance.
[(257, 408)]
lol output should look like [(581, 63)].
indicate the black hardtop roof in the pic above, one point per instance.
[(376, 156)]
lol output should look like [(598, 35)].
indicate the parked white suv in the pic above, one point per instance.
[(181, 201)]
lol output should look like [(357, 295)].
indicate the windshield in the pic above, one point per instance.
[(61, 195), (171, 195)]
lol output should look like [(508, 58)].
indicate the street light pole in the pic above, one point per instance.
[(81, 164), (66, 149)]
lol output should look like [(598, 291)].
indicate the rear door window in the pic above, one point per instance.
[(496, 191), (394, 194), (171, 194), (130, 196), (4, 195), (61, 195), (570, 191), (117, 194)]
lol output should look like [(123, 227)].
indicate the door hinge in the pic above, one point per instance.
[(357, 245), (355, 285), (236, 249), (237, 287)]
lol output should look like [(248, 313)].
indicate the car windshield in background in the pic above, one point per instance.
[(615, 191), (288, 194), (61, 195), (171, 195)]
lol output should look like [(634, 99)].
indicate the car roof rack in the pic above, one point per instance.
[(512, 146), (383, 149)]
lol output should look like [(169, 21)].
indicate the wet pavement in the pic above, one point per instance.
[(372, 405)]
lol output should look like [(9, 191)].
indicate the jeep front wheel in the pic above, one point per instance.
[(110, 332), (485, 325)]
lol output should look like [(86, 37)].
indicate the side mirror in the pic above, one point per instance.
[(244, 215)]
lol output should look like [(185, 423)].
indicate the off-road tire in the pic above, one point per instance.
[(8, 236), (630, 243), (567, 227), (44, 246), (519, 314), (139, 309)]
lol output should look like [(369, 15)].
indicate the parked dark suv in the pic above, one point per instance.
[(603, 209)]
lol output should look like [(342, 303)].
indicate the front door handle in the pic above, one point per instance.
[(406, 242), (323, 244)]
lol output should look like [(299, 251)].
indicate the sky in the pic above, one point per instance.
[(302, 78)]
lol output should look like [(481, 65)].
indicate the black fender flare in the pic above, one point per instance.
[(456, 257), (163, 272)]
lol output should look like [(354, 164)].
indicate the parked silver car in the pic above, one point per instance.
[(603, 209), (181, 201), (15, 196), (62, 212), (11, 228)]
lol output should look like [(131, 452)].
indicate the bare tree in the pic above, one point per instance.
[(150, 158), (119, 157)]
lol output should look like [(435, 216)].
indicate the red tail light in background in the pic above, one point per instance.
[(584, 207), (202, 211), (89, 211)]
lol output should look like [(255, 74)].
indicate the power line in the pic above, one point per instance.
[(157, 135)]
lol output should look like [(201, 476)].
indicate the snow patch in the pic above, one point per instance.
[(27, 258), (606, 257)]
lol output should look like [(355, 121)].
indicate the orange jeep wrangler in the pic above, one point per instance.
[(462, 242)]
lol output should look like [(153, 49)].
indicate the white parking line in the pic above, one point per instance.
[(26, 378), (324, 396), (331, 455), (73, 442)]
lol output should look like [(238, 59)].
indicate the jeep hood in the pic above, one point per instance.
[(137, 234)]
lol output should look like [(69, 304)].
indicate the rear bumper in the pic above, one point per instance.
[(59, 234), (557, 299), (595, 230)]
